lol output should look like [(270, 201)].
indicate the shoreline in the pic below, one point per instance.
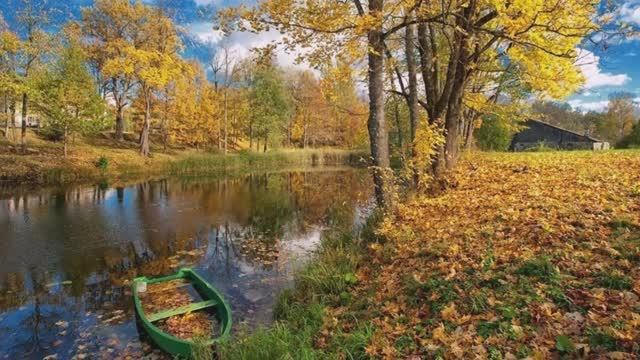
[(414, 285), (83, 164)]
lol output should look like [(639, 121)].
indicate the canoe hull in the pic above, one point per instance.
[(170, 343)]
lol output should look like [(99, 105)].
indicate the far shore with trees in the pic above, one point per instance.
[(440, 80)]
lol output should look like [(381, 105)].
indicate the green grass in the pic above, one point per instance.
[(196, 164), (300, 311), (614, 280), (541, 269), (200, 350), (121, 162)]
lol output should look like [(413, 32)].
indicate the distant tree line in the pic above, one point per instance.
[(120, 68)]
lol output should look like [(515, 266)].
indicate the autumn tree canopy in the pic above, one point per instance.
[(459, 48)]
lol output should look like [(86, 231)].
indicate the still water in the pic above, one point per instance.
[(67, 255)]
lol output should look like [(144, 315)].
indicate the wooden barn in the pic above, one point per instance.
[(539, 133)]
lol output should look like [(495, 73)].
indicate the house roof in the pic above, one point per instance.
[(566, 130)]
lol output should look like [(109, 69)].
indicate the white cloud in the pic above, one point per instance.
[(203, 31), (241, 43), (205, 2), (584, 106), (630, 12), (589, 64)]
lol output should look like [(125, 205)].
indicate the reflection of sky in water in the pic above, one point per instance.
[(66, 254)]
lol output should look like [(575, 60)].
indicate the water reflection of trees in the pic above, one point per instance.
[(97, 239), (90, 232)]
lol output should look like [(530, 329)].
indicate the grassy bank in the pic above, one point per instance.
[(99, 159), (532, 255), (323, 291)]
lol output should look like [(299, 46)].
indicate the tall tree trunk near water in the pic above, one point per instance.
[(65, 140), (378, 135), (429, 69), (459, 79), (250, 134), (7, 115), (23, 132), (146, 126), (305, 121), (219, 137), (226, 138), (119, 135), (165, 122), (12, 107), (412, 98), (468, 130), (120, 104), (396, 114), (233, 127)]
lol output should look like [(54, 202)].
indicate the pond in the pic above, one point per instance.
[(67, 255)]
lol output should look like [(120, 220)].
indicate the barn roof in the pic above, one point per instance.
[(565, 130)]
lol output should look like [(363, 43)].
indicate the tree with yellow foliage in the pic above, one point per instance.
[(9, 81), (32, 18), (115, 30), (194, 109), (454, 37)]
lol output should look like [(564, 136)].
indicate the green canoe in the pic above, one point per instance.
[(212, 300)]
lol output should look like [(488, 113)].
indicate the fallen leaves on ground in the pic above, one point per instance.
[(530, 255)]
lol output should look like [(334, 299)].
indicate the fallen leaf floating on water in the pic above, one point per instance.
[(62, 324)]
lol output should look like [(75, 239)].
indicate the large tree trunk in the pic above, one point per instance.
[(119, 135), (219, 137), (23, 132), (460, 75), (470, 117), (146, 127), (304, 137), (65, 140), (429, 70), (226, 138), (396, 114), (412, 99), (250, 134), (378, 135), (6, 116), (165, 123), (12, 107), (233, 130)]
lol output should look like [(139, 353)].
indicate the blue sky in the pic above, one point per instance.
[(607, 71)]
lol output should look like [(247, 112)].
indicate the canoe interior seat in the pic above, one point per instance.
[(182, 310)]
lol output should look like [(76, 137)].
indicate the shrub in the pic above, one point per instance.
[(632, 140), (102, 163), (494, 134)]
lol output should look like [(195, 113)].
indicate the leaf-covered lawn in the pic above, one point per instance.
[(527, 255)]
